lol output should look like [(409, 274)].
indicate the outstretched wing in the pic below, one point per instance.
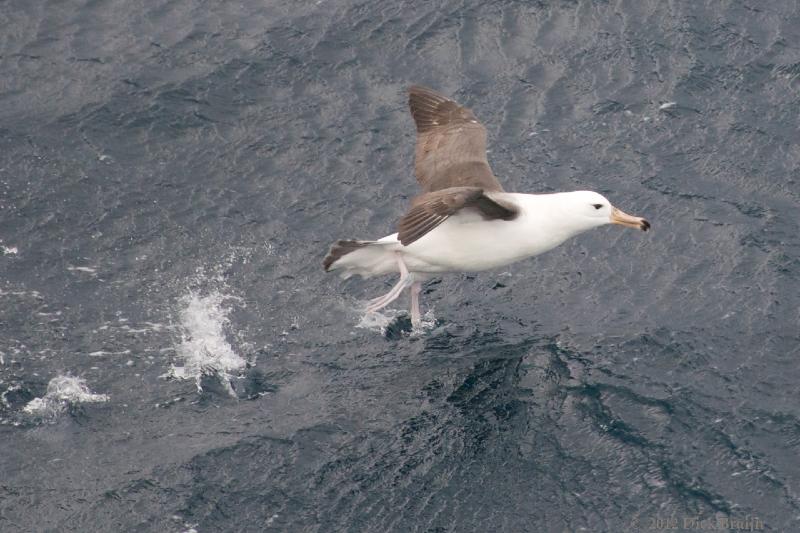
[(431, 209), (451, 144)]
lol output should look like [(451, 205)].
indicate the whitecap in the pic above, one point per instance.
[(101, 353), (88, 270)]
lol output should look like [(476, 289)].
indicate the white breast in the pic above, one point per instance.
[(467, 243)]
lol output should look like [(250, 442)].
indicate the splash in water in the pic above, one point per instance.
[(203, 347), (383, 319), (62, 392)]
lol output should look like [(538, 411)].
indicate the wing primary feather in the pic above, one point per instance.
[(419, 231), (449, 139)]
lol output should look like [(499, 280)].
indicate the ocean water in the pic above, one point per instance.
[(174, 359)]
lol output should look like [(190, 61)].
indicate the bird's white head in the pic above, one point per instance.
[(588, 209)]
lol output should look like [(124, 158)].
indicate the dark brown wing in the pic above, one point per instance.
[(451, 144), (431, 209)]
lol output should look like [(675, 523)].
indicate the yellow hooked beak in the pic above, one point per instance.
[(624, 219)]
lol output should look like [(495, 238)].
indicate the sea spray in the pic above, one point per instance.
[(203, 347), (62, 392)]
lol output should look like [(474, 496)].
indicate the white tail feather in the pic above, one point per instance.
[(365, 258)]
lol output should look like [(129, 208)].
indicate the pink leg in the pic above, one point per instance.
[(416, 316), (406, 279)]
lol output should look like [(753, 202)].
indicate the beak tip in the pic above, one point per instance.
[(645, 225)]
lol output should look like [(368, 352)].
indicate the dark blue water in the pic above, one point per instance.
[(173, 358)]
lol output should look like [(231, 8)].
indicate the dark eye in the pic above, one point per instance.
[(597, 206)]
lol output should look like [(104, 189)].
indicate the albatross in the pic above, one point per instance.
[(463, 220)]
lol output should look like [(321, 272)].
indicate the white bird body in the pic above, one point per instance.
[(465, 242), (464, 221)]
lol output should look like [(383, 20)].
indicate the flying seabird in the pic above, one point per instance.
[(464, 221)]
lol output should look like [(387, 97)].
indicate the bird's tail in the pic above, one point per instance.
[(366, 258)]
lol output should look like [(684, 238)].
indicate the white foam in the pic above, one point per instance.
[(88, 270), (143, 327), (10, 388), (100, 353), (428, 322), (62, 391), (667, 105), (380, 320), (9, 250), (377, 320), (32, 294), (204, 348)]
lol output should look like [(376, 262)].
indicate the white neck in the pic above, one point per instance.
[(544, 223)]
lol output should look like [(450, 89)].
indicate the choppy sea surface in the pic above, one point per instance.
[(174, 359)]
